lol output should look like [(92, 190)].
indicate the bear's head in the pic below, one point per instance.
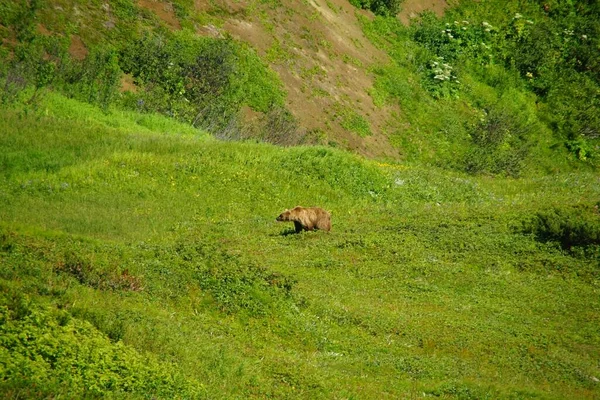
[(284, 216)]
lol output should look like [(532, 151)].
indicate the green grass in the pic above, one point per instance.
[(157, 245)]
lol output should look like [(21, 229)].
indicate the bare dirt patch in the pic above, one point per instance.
[(43, 30), (321, 55), (77, 48), (164, 11), (127, 84), (412, 8)]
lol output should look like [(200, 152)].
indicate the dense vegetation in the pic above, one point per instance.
[(140, 258), (515, 87), (137, 261), (514, 83), (202, 81)]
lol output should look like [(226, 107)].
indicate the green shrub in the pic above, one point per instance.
[(96, 79), (570, 227), (45, 353), (503, 137), (380, 7), (203, 81), (460, 39), (441, 80), (280, 127)]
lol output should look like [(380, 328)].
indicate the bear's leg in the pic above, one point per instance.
[(298, 226)]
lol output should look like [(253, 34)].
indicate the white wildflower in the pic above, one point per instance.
[(518, 16)]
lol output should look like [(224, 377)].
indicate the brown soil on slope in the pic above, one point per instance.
[(319, 51), (321, 55), (164, 10), (77, 48), (412, 8)]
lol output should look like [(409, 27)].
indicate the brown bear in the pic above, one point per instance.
[(309, 218)]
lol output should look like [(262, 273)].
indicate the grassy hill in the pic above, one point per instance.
[(140, 259), (503, 88), (147, 147)]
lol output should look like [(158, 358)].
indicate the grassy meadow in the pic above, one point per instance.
[(141, 259)]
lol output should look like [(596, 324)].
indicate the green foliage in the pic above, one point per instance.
[(441, 80), (281, 127), (427, 282), (46, 353), (202, 81), (354, 122), (476, 56), (464, 39), (549, 47), (502, 138), (379, 7), (570, 227), (95, 79), (20, 14)]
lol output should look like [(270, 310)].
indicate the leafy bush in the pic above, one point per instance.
[(549, 48), (203, 81), (570, 227), (96, 79), (280, 127), (46, 353), (501, 140), (460, 39), (441, 80), (380, 7)]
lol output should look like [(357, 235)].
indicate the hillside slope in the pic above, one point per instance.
[(140, 260), (146, 148), (457, 92)]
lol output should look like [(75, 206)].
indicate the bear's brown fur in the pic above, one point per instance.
[(307, 218)]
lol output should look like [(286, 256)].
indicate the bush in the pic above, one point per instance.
[(202, 81), (380, 7), (460, 39), (503, 137), (45, 353), (570, 227), (96, 79)]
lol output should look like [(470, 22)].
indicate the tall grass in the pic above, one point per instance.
[(158, 247)]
